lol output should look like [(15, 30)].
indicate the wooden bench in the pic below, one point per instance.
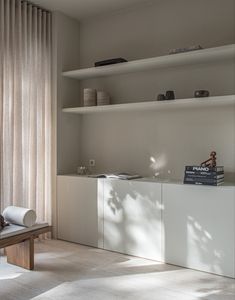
[(18, 242)]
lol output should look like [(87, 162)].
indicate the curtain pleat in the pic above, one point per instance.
[(25, 107)]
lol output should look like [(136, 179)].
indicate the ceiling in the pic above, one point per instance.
[(82, 9)]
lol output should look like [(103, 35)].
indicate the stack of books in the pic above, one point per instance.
[(204, 175)]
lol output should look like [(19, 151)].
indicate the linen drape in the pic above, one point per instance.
[(25, 107)]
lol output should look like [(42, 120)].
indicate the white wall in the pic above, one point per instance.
[(132, 141), (153, 29), (127, 141), (66, 49)]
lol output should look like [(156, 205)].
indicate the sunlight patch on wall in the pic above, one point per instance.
[(158, 163)]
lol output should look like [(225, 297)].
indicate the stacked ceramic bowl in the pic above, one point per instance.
[(89, 97), (103, 98)]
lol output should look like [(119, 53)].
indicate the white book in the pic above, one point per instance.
[(123, 176)]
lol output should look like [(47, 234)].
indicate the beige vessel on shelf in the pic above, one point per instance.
[(103, 98), (89, 97)]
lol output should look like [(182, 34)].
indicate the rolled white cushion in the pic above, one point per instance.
[(20, 216)]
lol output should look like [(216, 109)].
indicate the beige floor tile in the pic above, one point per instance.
[(67, 271)]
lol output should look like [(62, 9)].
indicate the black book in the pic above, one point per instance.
[(203, 180), (111, 61), (203, 173), (204, 176), (204, 169), (204, 183)]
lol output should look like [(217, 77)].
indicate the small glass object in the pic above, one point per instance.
[(82, 170)]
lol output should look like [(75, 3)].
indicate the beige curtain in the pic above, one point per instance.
[(25, 107)]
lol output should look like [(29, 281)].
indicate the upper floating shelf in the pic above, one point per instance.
[(157, 105), (166, 61)]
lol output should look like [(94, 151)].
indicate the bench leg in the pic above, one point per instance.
[(22, 254)]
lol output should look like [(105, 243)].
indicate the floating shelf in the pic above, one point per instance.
[(157, 105), (173, 60)]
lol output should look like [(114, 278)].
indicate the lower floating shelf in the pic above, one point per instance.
[(228, 100)]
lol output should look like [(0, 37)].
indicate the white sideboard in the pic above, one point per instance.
[(186, 225), (132, 218), (199, 227), (80, 213)]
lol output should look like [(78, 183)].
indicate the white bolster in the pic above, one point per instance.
[(20, 216)]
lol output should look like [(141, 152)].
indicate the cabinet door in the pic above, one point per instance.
[(199, 227), (79, 215), (132, 218)]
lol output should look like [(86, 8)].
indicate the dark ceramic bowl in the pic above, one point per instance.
[(201, 93)]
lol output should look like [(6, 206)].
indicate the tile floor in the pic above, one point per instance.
[(69, 271)]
